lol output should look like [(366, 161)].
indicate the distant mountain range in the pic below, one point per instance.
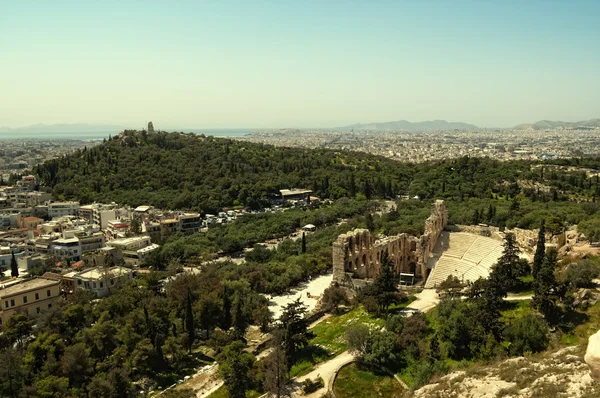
[(62, 128), (549, 124), (405, 125)]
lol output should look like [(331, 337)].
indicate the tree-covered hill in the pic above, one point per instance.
[(186, 171)]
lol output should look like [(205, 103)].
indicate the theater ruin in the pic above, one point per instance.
[(357, 254)]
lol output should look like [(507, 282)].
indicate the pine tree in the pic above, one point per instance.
[(14, 268), (275, 369), (385, 286), (540, 250), (508, 269), (547, 289), (294, 329)]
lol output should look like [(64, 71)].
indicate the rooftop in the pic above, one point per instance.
[(294, 191), (28, 285), (97, 273), (126, 241), (33, 219)]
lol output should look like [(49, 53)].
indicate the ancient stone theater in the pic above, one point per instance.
[(357, 254)]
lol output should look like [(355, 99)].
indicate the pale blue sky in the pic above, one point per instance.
[(201, 64)]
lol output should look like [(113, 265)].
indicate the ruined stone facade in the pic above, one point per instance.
[(357, 254)]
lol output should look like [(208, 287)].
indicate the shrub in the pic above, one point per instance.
[(582, 273), (309, 386), (528, 333)]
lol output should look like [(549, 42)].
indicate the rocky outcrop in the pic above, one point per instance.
[(561, 374), (592, 356)]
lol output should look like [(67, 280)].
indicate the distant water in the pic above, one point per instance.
[(222, 132), (54, 136), (102, 135)]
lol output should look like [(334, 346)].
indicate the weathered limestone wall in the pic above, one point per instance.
[(357, 254), (526, 238)]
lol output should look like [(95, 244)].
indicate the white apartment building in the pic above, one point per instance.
[(101, 280), (67, 248), (135, 249), (59, 209)]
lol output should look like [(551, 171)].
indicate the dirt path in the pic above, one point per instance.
[(326, 371), (513, 297)]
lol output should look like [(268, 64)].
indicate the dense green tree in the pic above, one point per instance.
[(276, 370), (528, 333), (294, 329), (509, 267), (590, 228), (18, 327), (547, 290), (333, 296), (234, 367), (11, 375), (208, 312), (582, 273)]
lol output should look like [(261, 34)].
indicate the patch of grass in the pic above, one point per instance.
[(329, 339), (569, 339), (524, 286), (358, 382), (586, 324), (397, 308), (515, 309), (329, 334), (222, 393)]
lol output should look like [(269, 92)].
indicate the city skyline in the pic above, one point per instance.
[(263, 65)]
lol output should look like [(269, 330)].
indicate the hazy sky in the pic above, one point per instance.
[(325, 63)]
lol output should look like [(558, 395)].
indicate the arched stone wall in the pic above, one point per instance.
[(357, 254)]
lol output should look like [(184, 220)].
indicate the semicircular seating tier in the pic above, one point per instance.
[(466, 256)]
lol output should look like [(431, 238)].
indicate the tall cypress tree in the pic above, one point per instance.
[(540, 250), (14, 268), (189, 321), (303, 243)]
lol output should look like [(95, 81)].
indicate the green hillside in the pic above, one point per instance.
[(185, 171)]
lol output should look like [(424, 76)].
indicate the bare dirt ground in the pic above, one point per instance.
[(309, 294)]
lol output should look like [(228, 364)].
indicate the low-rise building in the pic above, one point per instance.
[(102, 280), (32, 296), (295, 194), (170, 226), (190, 222), (59, 209), (67, 248), (117, 228), (32, 222), (91, 242), (152, 229), (134, 249)]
